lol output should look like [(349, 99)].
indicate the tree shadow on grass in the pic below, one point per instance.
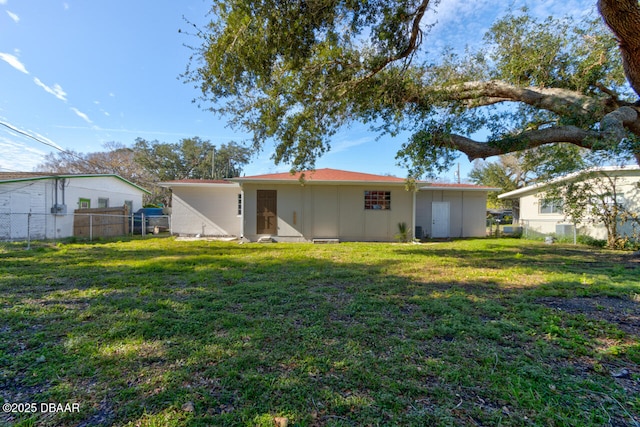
[(222, 334)]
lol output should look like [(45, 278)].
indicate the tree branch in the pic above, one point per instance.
[(529, 139), (613, 125), (416, 34), (560, 101)]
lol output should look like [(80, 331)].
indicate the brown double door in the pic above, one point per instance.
[(267, 215)]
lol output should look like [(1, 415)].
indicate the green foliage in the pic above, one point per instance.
[(435, 157), (148, 162), (190, 158), (554, 53), (296, 72), (590, 241), (552, 161), (404, 234), (506, 174)]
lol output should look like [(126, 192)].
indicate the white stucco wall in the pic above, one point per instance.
[(330, 211), (17, 200), (208, 211), (534, 220), (467, 210)]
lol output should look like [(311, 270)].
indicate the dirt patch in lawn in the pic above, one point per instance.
[(624, 313), (621, 312)]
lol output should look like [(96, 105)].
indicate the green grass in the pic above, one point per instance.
[(159, 332)]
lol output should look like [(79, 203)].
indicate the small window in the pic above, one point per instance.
[(84, 203), (103, 202), (551, 206), (129, 205), (614, 201), (377, 200), (608, 202), (240, 204)]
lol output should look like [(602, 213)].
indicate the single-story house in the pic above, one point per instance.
[(542, 212), (40, 205), (326, 204)]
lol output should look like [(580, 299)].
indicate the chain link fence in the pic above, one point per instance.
[(23, 230), (538, 229)]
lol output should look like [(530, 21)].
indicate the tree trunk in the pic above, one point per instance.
[(623, 18)]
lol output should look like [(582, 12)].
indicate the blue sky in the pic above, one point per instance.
[(79, 73)]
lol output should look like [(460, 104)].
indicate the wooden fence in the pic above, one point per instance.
[(101, 222)]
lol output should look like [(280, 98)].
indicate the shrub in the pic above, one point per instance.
[(591, 241), (403, 232)]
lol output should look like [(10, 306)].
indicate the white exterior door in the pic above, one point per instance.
[(440, 220)]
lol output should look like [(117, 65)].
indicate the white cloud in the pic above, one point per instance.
[(22, 149), (56, 90), (13, 16), (14, 62), (82, 115), (344, 144), (19, 156), (3, 1)]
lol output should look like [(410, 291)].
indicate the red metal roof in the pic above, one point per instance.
[(426, 185), (336, 175), (198, 181), (326, 174)]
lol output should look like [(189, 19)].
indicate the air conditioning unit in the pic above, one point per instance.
[(59, 209)]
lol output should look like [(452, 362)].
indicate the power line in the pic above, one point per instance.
[(50, 144), (28, 135)]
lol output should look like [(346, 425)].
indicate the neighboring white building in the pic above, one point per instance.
[(326, 204), (542, 214), (40, 205)]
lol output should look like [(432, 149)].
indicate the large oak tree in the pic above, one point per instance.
[(296, 71)]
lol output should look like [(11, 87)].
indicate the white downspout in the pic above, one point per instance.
[(244, 203), (413, 214)]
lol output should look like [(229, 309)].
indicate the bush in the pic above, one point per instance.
[(590, 241), (403, 232)]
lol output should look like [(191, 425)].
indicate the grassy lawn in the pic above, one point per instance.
[(162, 332)]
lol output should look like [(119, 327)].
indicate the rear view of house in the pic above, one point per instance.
[(326, 204)]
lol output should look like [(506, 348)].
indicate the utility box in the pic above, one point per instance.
[(59, 209)]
